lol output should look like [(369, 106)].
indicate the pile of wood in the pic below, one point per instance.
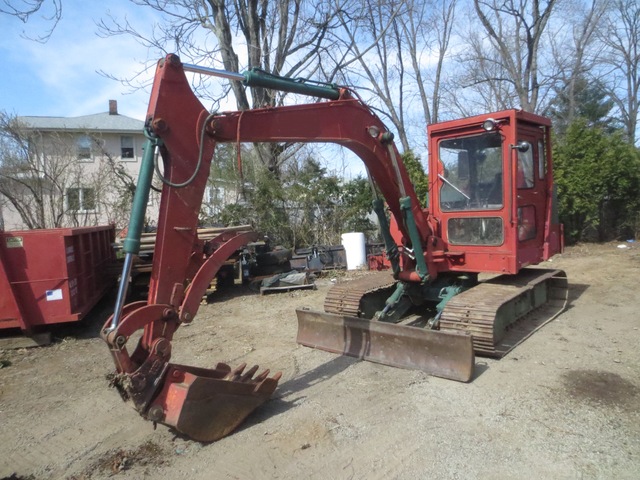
[(142, 264), (148, 240)]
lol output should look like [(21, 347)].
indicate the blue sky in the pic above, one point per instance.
[(60, 77)]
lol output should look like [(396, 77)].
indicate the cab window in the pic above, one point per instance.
[(472, 173), (525, 172)]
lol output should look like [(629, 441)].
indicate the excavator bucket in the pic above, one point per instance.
[(207, 405), (446, 355)]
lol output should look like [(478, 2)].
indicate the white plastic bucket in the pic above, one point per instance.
[(355, 249)]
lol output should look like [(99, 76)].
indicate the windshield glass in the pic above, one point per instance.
[(472, 178)]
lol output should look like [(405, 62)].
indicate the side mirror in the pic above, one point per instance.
[(522, 146)]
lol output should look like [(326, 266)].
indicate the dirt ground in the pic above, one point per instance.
[(564, 404)]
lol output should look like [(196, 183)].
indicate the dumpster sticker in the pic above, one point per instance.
[(54, 295), (14, 242), (70, 256)]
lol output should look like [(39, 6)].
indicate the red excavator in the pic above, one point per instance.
[(458, 283)]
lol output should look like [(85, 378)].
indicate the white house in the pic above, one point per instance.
[(87, 162), (87, 166)]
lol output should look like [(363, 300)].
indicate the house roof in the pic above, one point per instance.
[(102, 122)]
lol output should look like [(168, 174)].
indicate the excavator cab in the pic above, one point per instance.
[(491, 211), (492, 192)]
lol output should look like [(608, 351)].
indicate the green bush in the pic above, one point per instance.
[(598, 178)]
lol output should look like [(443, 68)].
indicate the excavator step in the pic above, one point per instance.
[(442, 354), (502, 312)]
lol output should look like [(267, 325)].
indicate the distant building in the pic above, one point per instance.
[(96, 156), (88, 166)]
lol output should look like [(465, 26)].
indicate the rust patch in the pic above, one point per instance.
[(601, 388)]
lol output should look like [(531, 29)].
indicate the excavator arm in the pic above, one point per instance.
[(208, 404), (363, 133), (201, 403)]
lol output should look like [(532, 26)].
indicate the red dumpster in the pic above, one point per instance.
[(54, 275)]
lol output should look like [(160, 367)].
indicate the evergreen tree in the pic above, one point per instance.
[(598, 178), (588, 100), (356, 201), (417, 176)]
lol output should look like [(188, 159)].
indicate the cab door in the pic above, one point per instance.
[(530, 194)]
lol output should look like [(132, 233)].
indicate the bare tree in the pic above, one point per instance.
[(514, 30), (23, 10), (373, 35), (423, 20), (621, 37), (282, 37), (483, 83), (575, 50), (396, 50)]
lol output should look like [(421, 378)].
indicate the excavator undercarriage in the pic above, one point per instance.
[(503, 311), (488, 319)]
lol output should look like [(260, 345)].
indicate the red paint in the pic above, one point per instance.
[(178, 118)]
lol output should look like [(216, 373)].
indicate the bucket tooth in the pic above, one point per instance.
[(207, 405), (447, 355)]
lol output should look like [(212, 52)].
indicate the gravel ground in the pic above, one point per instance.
[(564, 404)]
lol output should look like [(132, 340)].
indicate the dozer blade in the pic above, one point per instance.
[(208, 404), (447, 355)]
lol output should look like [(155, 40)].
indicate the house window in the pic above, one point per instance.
[(83, 147), (81, 199), (126, 146)]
